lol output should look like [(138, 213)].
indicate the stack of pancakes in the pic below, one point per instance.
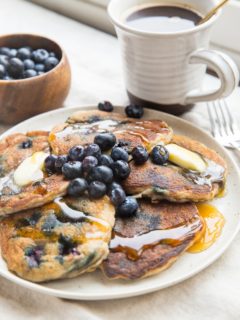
[(48, 235)]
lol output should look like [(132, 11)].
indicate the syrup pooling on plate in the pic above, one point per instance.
[(214, 223), (134, 247)]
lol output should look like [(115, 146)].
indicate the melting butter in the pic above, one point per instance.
[(185, 158), (31, 169)]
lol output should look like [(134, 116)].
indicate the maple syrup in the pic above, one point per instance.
[(65, 213), (138, 129), (214, 223), (214, 173), (134, 247)]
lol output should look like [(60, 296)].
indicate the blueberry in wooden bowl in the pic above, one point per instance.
[(35, 76)]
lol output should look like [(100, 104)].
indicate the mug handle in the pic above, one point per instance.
[(226, 70)]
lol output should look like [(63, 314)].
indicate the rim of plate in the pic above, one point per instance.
[(134, 291)]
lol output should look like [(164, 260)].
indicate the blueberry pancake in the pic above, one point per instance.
[(82, 127), (62, 239), (152, 240), (14, 150), (18, 146), (174, 183)]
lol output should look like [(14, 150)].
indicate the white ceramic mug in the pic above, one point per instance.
[(168, 68)]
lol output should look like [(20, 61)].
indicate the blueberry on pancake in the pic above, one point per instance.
[(62, 239), (151, 240), (21, 156), (82, 127), (202, 181)]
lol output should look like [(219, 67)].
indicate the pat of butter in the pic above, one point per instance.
[(185, 158), (30, 169)]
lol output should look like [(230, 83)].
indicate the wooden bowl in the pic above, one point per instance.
[(24, 98)]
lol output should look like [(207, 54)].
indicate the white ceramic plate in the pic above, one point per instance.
[(94, 286)]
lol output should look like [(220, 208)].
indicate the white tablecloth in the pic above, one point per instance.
[(212, 294)]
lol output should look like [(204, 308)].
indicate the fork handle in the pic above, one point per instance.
[(223, 66)]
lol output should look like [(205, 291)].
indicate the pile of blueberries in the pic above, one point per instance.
[(25, 62), (99, 174), (96, 173)]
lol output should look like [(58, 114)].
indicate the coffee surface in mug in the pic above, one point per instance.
[(162, 19)]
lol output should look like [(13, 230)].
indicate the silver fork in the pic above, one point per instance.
[(224, 127)]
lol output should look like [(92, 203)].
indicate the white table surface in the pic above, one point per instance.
[(94, 57)]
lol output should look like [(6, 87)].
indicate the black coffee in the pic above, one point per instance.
[(163, 19)]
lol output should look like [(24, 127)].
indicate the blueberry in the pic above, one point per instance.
[(52, 54), (117, 196), (97, 189), (29, 73), (4, 60), (105, 160), (101, 173), (112, 186), (5, 51), (2, 71), (60, 161), (128, 208), (39, 73), (33, 256), (76, 153), (105, 140), (26, 144), (77, 187), (72, 170), (50, 63), (121, 169), (39, 67), (159, 155), (40, 55), (92, 150), (28, 47), (89, 163), (66, 245), (134, 111), (7, 78), (105, 106), (13, 53), (28, 64), (15, 68), (24, 53), (140, 155), (119, 154), (50, 163)]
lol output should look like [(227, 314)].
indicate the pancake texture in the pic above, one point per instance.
[(13, 150), (152, 240), (18, 146), (62, 239), (173, 183), (82, 127)]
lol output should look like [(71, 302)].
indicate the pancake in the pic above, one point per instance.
[(173, 183), (152, 240), (81, 128), (14, 198), (62, 239), (18, 146)]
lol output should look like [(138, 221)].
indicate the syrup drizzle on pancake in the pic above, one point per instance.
[(134, 247), (214, 173), (64, 214)]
